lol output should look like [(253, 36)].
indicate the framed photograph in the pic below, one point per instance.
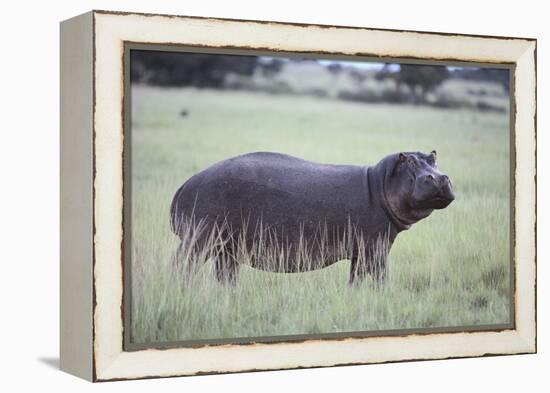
[(245, 195)]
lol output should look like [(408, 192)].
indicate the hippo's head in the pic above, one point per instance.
[(413, 187)]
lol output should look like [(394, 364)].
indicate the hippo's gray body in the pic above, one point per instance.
[(297, 207)]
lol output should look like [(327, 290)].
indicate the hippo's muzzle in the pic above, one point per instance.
[(433, 191), (445, 194)]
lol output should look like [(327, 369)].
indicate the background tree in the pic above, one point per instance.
[(272, 67), (187, 69), (421, 79), (335, 68)]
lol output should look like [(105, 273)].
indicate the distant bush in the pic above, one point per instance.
[(335, 68), (478, 92), (358, 75), (359, 95), (277, 87), (500, 76), (316, 92), (485, 106), (188, 69), (393, 96), (448, 101), (271, 68), (235, 82)]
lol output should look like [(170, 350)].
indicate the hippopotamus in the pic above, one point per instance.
[(281, 213)]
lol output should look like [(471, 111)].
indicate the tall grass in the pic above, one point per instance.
[(271, 249), (451, 269)]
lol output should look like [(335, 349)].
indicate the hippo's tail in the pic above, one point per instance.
[(176, 213), (182, 212)]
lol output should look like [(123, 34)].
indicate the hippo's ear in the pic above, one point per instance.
[(401, 158), (432, 158)]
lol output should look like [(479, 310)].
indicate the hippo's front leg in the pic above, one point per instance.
[(357, 271), (379, 271), (374, 263)]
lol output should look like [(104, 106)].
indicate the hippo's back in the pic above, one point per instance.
[(276, 190)]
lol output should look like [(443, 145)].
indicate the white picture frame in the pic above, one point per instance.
[(92, 149)]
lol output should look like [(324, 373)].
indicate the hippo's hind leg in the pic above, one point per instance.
[(184, 261), (369, 256), (226, 265)]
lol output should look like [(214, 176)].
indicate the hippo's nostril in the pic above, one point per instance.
[(444, 180)]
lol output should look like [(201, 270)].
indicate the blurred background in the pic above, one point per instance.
[(189, 111), (484, 89)]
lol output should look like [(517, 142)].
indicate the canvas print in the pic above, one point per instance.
[(279, 197)]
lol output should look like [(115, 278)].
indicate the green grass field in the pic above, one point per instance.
[(451, 269)]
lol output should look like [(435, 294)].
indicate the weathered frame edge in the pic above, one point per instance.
[(76, 196), (527, 351)]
